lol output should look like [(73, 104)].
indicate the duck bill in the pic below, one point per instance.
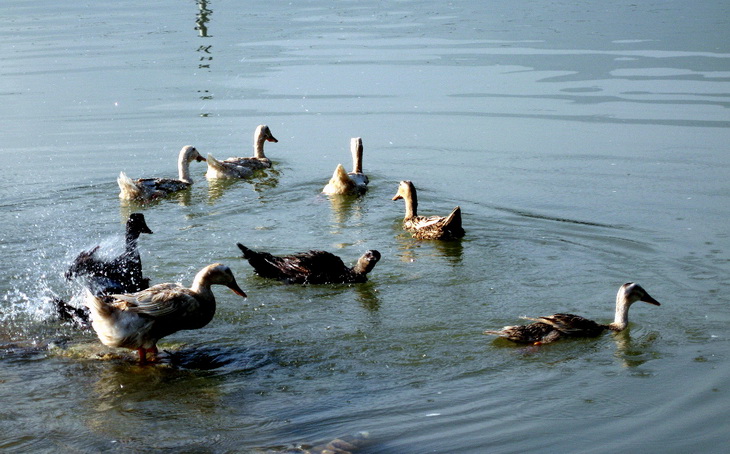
[(272, 139), (237, 290), (650, 300), (200, 159), (397, 197)]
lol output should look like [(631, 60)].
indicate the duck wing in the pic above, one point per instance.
[(528, 334), (251, 163), (573, 325), (161, 186), (227, 168), (314, 267), (159, 301)]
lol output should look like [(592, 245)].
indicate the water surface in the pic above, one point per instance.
[(586, 146)]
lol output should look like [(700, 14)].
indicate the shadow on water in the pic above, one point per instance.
[(216, 358)]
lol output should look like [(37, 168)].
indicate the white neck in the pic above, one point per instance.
[(258, 145), (183, 168), (621, 319), (356, 150), (201, 284)]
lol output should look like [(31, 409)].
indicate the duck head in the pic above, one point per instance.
[(264, 133), (406, 190), (136, 224), (218, 274), (631, 293), (190, 154), (367, 261)]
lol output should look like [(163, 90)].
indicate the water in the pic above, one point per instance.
[(586, 145)]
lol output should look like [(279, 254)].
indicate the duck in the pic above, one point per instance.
[(558, 326), (139, 320), (354, 182), (311, 267), (243, 167), (122, 274), (423, 227), (153, 188)]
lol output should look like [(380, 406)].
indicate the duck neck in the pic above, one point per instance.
[(258, 145), (411, 201), (131, 240), (201, 286), (356, 149), (362, 266), (621, 319), (183, 168)]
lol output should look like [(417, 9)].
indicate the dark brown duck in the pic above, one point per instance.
[(312, 267)]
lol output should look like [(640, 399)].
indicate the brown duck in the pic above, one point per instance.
[(423, 227), (553, 327), (139, 320), (312, 267)]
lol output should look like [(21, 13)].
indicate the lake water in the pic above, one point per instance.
[(586, 143)]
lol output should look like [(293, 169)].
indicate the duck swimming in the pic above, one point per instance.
[(354, 182), (427, 228), (243, 167), (122, 274), (154, 188), (312, 267), (553, 327), (139, 320)]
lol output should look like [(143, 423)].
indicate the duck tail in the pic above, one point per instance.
[(97, 305), (340, 183), (340, 173), (127, 188), (454, 218), (247, 253), (214, 163), (452, 223)]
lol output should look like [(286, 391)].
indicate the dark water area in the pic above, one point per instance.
[(586, 145)]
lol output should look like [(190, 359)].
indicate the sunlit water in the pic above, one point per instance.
[(586, 145)]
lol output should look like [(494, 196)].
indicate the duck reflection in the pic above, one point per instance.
[(217, 186), (631, 352), (263, 180), (344, 208), (127, 207), (452, 250), (151, 393), (367, 295)]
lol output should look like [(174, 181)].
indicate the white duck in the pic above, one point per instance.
[(243, 167), (354, 182), (153, 188), (139, 320)]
